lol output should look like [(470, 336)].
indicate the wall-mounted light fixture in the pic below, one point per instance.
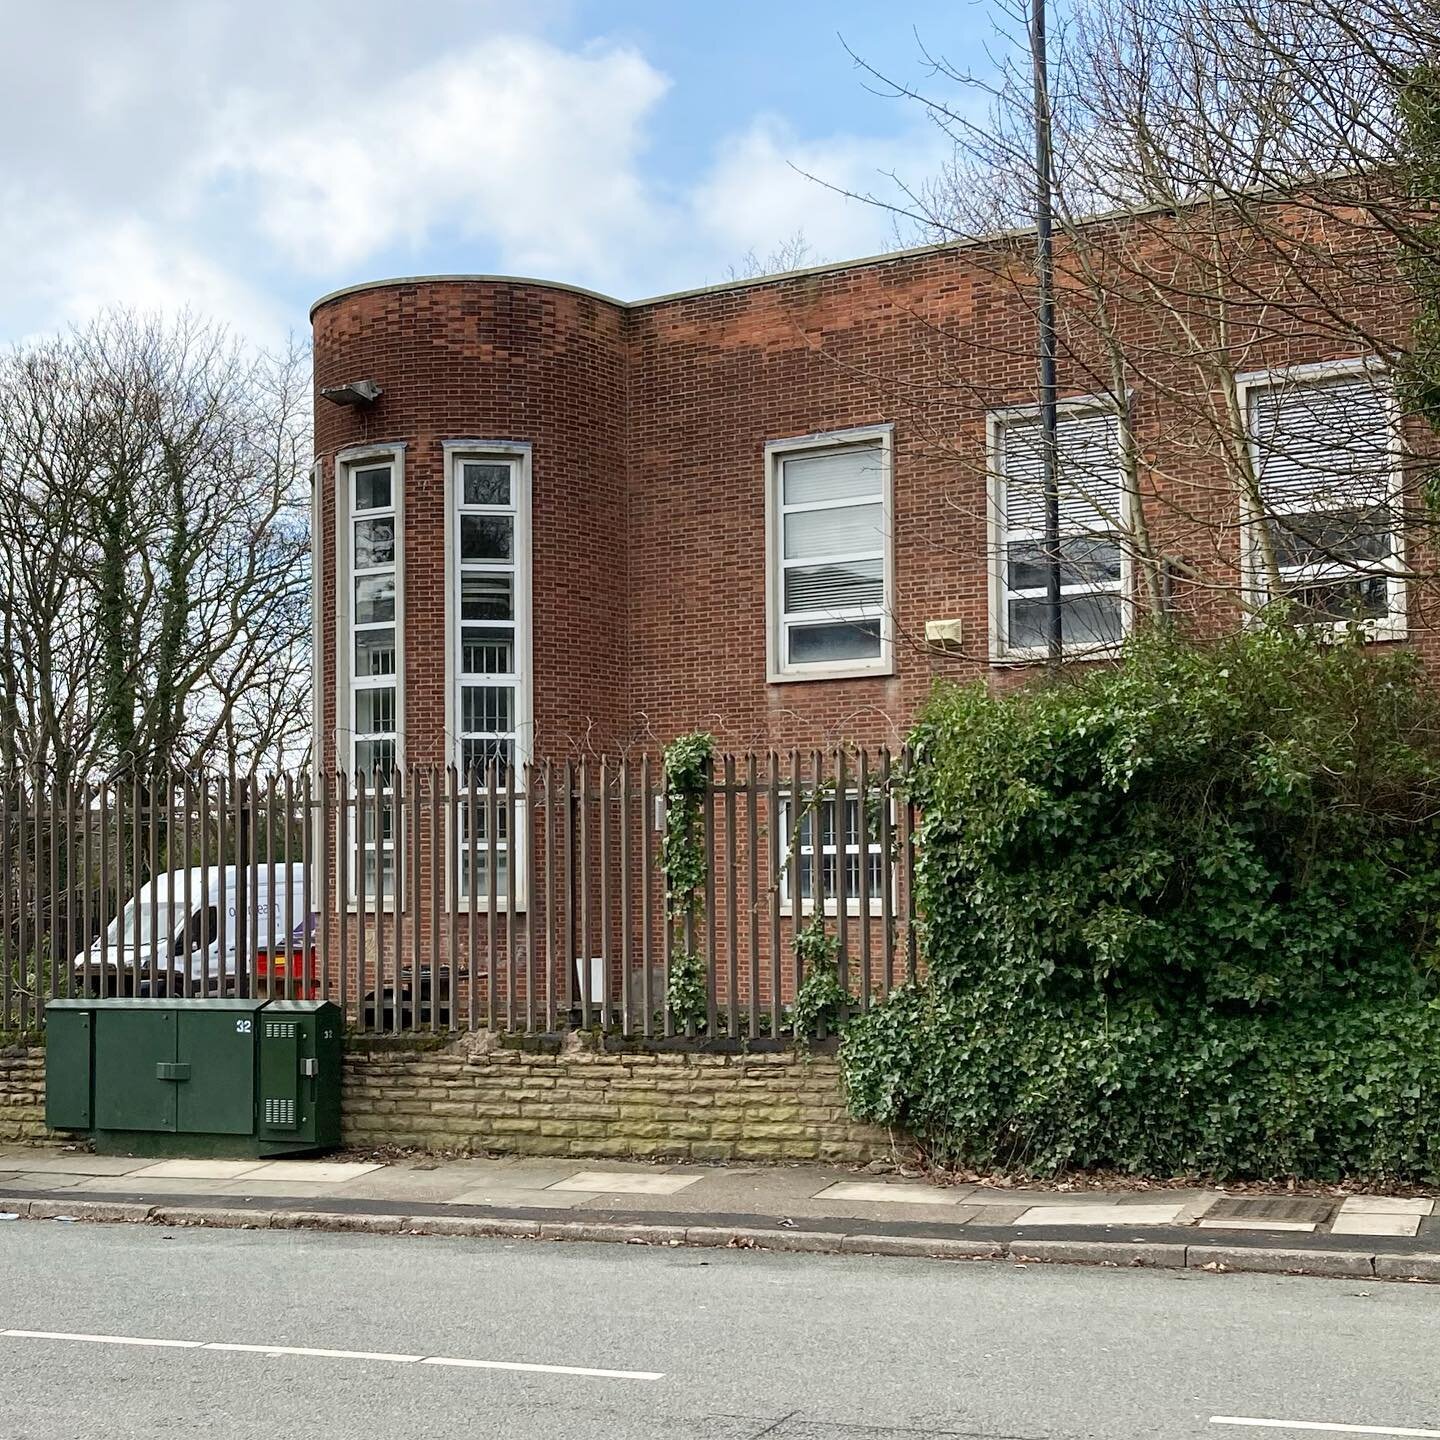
[(357, 392)]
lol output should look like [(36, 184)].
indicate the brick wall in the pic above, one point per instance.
[(649, 423), (477, 1095), (22, 1094)]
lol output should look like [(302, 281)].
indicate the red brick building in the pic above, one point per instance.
[(777, 509)]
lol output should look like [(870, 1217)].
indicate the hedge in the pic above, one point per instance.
[(1180, 915)]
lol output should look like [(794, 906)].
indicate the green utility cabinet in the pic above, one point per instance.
[(195, 1077), (300, 1058)]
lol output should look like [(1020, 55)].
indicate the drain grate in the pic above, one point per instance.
[(1258, 1209)]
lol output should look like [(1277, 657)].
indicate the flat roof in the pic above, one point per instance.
[(886, 257)]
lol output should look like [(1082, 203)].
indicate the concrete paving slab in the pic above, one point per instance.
[(1367, 1224), (1386, 1205), (619, 1182), (315, 1172), (41, 1180), (87, 1164), (1032, 1198), (968, 1214), (523, 1199), (1100, 1215), (1199, 1207), (518, 1173), (126, 1186), (393, 1183), (285, 1188), (1301, 1225), (196, 1170), (892, 1194)]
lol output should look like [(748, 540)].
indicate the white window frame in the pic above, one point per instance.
[(317, 622), (317, 645), (999, 537), (1395, 625), (802, 863), (347, 462), (518, 456), (778, 669)]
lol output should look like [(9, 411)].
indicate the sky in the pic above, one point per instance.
[(243, 157)]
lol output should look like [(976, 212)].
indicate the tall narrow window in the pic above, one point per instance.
[(489, 668), (374, 616), (370, 700), (1323, 443), (829, 555), (1093, 563)]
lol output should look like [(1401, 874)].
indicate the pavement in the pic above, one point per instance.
[(128, 1332), (797, 1207)]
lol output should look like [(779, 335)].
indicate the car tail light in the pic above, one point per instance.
[(295, 968)]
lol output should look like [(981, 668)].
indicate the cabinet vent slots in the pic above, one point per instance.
[(279, 1112)]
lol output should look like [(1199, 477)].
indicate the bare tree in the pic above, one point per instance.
[(1235, 194), (793, 253), (154, 562)]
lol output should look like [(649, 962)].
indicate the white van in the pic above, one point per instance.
[(199, 942)]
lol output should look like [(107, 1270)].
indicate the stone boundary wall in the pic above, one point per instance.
[(22, 1094), (476, 1093)]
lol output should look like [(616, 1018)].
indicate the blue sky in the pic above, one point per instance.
[(245, 156)]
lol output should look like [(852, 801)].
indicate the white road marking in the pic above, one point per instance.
[(546, 1369), (309, 1350), (1330, 1429), (235, 1346), (102, 1339)]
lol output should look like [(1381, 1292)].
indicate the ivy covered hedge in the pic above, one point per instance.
[(1180, 915)]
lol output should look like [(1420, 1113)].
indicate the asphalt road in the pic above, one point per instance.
[(709, 1344)]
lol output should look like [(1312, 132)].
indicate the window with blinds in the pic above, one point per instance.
[(829, 556), (1323, 447), (1092, 519)]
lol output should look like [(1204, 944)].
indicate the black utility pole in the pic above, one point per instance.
[(1045, 294)]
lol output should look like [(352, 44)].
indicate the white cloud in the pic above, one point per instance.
[(65, 267), (239, 158), (515, 142), (768, 185)]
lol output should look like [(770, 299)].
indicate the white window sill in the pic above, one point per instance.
[(1371, 631), (845, 672), (1391, 628), (1015, 659), (852, 909)]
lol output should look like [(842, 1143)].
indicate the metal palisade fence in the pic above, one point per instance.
[(529, 899)]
